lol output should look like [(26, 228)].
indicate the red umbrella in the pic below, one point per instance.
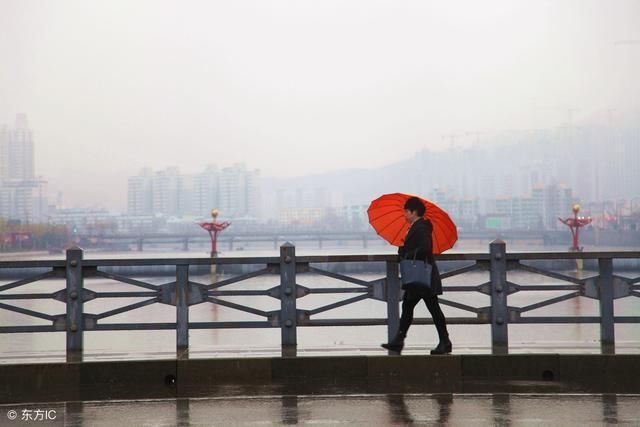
[(386, 215)]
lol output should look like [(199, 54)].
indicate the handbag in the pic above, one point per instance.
[(416, 273)]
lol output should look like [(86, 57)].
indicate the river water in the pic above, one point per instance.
[(105, 345)]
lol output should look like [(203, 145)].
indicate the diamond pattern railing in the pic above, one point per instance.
[(184, 293)]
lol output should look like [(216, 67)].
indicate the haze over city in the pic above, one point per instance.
[(298, 88), (336, 212)]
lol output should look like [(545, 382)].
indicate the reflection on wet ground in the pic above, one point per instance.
[(364, 410)]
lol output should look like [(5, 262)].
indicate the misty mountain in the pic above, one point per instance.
[(598, 162)]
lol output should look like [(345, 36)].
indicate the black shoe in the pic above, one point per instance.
[(442, 348), (396, 344)]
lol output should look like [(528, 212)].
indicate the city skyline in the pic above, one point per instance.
[(306, 89), (597, 162), (461, 143)]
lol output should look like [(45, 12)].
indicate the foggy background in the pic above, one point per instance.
[(299, 88)]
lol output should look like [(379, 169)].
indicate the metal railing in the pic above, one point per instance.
[(183, 293)]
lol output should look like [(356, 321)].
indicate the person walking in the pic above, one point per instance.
[(418, 244)]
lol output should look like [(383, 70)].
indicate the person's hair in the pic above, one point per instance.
[(414, 204)]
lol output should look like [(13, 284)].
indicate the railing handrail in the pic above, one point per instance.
[(183, 292), (454, 256)]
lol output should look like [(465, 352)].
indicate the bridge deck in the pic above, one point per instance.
[(518, 373)]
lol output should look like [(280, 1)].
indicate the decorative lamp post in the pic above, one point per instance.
[(575, 224), (214, 227)]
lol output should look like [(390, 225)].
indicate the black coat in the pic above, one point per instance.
[(419, 242)]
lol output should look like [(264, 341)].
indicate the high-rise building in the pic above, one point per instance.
[(556, 201), (205, 191), (524, 213), (22, 195), (253, 193), (140, 193), (16, 151), (463, 212), (239, 191), (235, 191), (232, 191), (538, 210), (166, 192), (16, 202)]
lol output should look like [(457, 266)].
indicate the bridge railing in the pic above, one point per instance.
[(183, 293)]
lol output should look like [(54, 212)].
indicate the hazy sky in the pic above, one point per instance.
[(296, 87)]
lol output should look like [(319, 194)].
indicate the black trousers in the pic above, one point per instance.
[(411, 298)]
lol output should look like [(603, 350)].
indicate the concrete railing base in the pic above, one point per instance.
[(526, 373)]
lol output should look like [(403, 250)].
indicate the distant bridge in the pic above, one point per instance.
[(233, 240)]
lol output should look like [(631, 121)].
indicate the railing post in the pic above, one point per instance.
[(75, 322), (393, 300), (605, 295), (288, 310), (499, 288), (182, 311)]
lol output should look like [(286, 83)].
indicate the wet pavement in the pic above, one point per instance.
[(358, 410)]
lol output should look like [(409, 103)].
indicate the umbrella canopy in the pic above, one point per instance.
[(386, 215)]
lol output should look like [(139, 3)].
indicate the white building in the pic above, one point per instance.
[(235, 191), (86, 221), (140, 193), (16, 152), (16, 202), (206, 191), (239, 192), (556, 201), (355, 217), (164, 190), (22, 194), (253, 193)]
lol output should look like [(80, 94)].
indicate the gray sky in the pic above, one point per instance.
[(296, 87)]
